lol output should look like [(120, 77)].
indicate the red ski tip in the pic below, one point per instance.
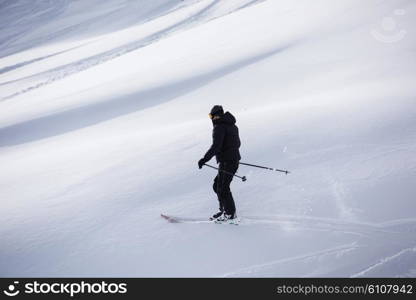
[(169, 219)]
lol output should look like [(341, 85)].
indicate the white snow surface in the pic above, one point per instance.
[(103, 117)]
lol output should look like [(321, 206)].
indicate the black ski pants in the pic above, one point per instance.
[(221, 186)]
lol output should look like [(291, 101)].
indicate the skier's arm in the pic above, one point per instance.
[(217, 140)]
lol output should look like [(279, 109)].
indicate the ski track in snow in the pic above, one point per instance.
[(364, 231), (25, 63), (405, 260), (256, 269), (64, 71), (401, 264), (318, 224)]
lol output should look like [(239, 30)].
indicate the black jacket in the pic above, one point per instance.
[(226, 140)]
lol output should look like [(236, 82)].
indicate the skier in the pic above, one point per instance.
[(225, 146)]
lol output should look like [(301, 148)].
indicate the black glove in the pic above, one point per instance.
[(201, 162)]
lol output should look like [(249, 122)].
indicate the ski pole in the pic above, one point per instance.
[(229, 173), (261, 167)]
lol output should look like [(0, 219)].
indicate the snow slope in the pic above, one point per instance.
[(103, 116)]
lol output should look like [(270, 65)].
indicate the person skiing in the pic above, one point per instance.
[(225, 147)]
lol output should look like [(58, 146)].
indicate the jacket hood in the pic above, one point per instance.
[(227, 118)]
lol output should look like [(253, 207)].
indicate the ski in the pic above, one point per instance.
[(175, 219), (231, 222)]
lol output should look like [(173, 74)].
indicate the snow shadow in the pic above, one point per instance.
[(81, 117)]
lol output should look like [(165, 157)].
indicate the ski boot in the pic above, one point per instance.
[(228, 219), (216, 216)]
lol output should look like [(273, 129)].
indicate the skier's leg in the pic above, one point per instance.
[(221, 186), (224, 191), (215, 188)]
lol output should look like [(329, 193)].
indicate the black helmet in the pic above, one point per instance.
[(216, 111)]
